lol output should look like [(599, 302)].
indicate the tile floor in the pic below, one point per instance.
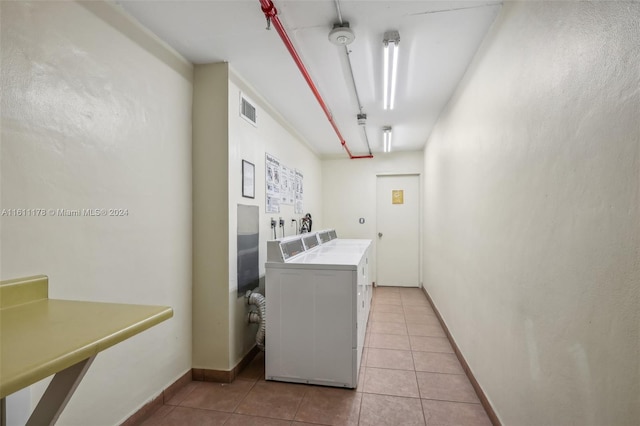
[(409, 376)]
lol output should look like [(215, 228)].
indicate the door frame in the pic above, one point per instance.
[(420, 219)]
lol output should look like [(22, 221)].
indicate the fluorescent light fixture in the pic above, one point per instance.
[(391, 44), (386, 138)]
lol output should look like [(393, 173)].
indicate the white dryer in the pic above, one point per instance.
[(317, 303)]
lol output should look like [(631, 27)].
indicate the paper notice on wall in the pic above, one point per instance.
[(299, 192), (284, 186), (272, 179), (288, 186)]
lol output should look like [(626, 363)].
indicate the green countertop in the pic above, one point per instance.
[(41, 336)]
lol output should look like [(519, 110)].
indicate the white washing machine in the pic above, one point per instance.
[(317, 303)]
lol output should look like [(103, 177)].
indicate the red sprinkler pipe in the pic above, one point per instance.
[(271, 14)]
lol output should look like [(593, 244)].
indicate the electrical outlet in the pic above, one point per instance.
[(281, 223), (273, 223)]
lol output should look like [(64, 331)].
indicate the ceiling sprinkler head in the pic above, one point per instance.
[(341, 34), (362, 119)]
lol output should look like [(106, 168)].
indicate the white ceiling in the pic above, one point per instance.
[(438, 41)]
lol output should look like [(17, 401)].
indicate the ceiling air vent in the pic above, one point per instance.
[(247, 110)]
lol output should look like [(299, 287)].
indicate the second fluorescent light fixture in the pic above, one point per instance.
[(386, 139), (391, 42)]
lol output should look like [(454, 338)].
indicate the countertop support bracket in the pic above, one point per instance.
[(59, 393)]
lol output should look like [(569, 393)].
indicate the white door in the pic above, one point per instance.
[(398, 226)]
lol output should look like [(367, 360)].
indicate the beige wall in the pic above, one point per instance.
[(210, 217), (91, 119), (532, 234), (349, 192)]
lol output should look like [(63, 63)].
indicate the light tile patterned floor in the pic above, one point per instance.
[(409, 376)]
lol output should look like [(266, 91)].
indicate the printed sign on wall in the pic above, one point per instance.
[(284, 186), (272, 170), (397, 196), (299, 192)]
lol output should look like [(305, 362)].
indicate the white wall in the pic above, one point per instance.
[(532, 234), (274, 136), (90, 119), (349, 192)]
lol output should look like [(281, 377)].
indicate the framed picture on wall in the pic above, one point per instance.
[(248, 179)]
